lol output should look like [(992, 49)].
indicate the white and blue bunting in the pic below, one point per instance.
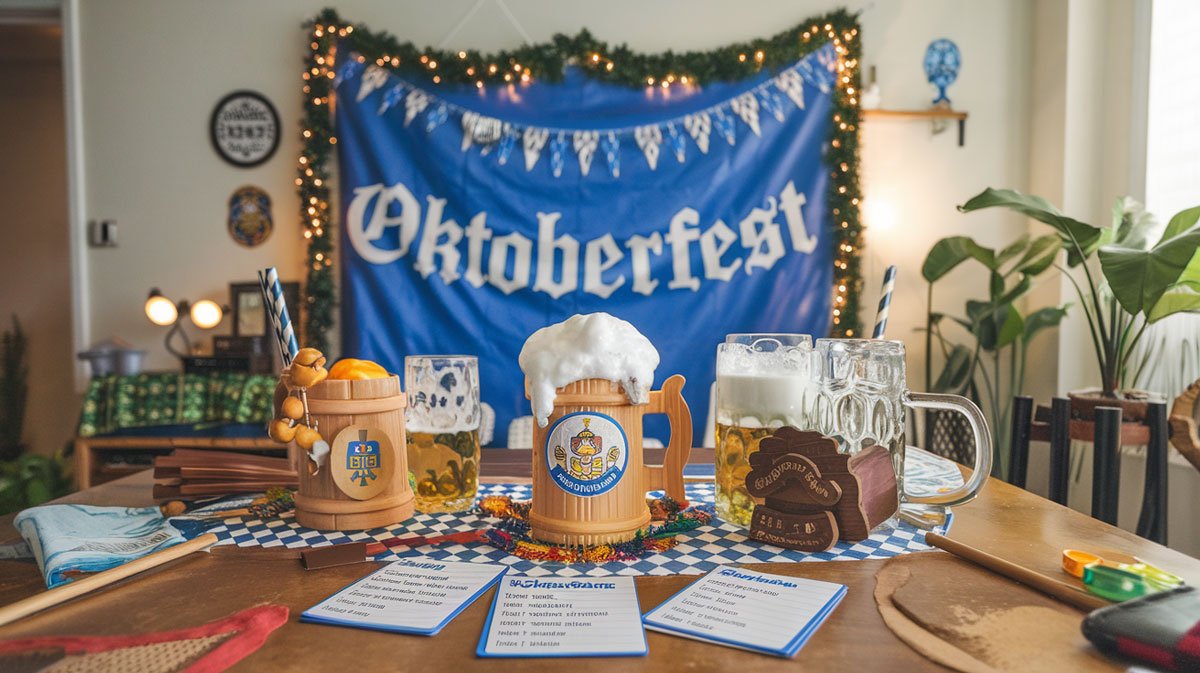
[(774, 98)]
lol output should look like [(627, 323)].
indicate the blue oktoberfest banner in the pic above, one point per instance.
[(472, 217)]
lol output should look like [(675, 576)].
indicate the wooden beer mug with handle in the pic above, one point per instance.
[(589, 474)]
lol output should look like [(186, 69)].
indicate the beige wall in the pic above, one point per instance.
[(148, 93), (36, 278)]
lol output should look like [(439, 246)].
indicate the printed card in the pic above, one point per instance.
[(772, 614), (412, 595), (553, 617)]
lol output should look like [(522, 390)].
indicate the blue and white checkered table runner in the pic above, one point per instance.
[(697, 551)]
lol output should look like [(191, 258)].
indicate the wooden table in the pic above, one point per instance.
[(204, 587)]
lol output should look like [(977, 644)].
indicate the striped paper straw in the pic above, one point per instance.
[(284, 331), (885, 301)]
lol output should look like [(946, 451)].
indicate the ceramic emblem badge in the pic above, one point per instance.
[(586, 453), (361, 462)]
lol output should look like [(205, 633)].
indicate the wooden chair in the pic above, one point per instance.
[(1107, 433)]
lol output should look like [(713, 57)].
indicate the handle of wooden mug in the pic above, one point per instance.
[(669, 476)]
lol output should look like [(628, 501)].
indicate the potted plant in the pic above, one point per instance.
[(1137, 283), (14, 390), (984, 358)]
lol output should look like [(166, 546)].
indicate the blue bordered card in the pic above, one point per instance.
[(559, 617), (413, 595), (771, 614)]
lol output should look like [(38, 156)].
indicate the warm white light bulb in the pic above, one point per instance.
[(161, 311), (206, 314)]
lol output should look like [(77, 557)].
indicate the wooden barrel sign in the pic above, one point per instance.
[(364, 482), (589, 475)]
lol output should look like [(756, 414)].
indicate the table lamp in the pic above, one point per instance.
[(205, 314)]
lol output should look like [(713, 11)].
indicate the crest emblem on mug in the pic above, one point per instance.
[(361, 461), (586, 453)]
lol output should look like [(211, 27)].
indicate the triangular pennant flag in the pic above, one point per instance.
[(393, 96), (746, 107), (791, 83), (508, 140), (434, 119), (648, 139), (534, 141), (677, 143), (724, 124), (372, 79), (612, 153), (768, 97), (348, 70), (699, 126), (414, 104), (585, 147), (558, 148)]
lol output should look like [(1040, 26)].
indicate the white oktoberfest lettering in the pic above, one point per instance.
[(509, 262)]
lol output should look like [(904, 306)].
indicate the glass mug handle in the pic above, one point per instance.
[(983, 447)]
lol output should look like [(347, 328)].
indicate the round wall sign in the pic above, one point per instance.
[(361, 462), (244, 128), (586, 453)]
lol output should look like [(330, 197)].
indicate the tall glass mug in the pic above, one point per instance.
[(442, 425), (861, 398), (763, 383)]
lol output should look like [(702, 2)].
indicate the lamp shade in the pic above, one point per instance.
[(206, 314), (160, 310)]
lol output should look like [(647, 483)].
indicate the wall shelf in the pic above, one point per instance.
[(932, 114)]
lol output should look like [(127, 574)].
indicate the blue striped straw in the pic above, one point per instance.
[(885, 301), (284, 331)]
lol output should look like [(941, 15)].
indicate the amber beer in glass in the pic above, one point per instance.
[(443, 430), (763, 383)]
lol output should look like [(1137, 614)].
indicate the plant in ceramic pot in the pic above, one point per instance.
[(984, 349), (1137, 284)]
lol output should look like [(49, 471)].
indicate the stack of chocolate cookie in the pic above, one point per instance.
[(813, 496)]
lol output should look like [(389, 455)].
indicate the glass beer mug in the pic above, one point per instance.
[(860, 398), (763, 383), (442, 423)]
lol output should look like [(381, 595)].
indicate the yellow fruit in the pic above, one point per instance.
[(281, 431), (293, 408), (352, 369), (306, 437)]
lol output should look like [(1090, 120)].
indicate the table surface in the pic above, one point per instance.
[(1004, 520)]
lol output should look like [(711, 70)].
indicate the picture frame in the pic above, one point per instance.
[(250, 315)]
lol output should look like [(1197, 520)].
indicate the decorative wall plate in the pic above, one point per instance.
[(250, 222), (244, 128)]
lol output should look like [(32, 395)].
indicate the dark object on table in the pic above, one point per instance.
[(191, 473), (1161, 629), (248, 364), (811, 532), (318, 558), (867, 480)]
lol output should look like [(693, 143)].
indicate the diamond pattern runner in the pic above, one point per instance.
[(697, 552)]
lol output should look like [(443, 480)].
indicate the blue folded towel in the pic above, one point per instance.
[(84, 538)]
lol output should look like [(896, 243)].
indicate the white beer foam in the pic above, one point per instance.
[(592, 346)]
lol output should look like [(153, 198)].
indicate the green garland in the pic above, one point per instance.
[(616, 64)]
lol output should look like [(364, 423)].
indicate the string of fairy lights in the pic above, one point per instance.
[(546, 62)]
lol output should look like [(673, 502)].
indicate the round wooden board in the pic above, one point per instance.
[(979, 622)]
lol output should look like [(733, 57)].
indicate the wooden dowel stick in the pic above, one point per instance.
[(52, 597), (1064, 592)]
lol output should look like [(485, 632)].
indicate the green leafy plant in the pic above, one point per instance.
[(991, 366), (32, 479), (14, 389), (1139, 284)]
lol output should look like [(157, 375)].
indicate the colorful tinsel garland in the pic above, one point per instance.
[(511, 533)]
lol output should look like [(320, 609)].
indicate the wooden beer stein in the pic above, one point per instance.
[(589, 477), (364, 481)]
